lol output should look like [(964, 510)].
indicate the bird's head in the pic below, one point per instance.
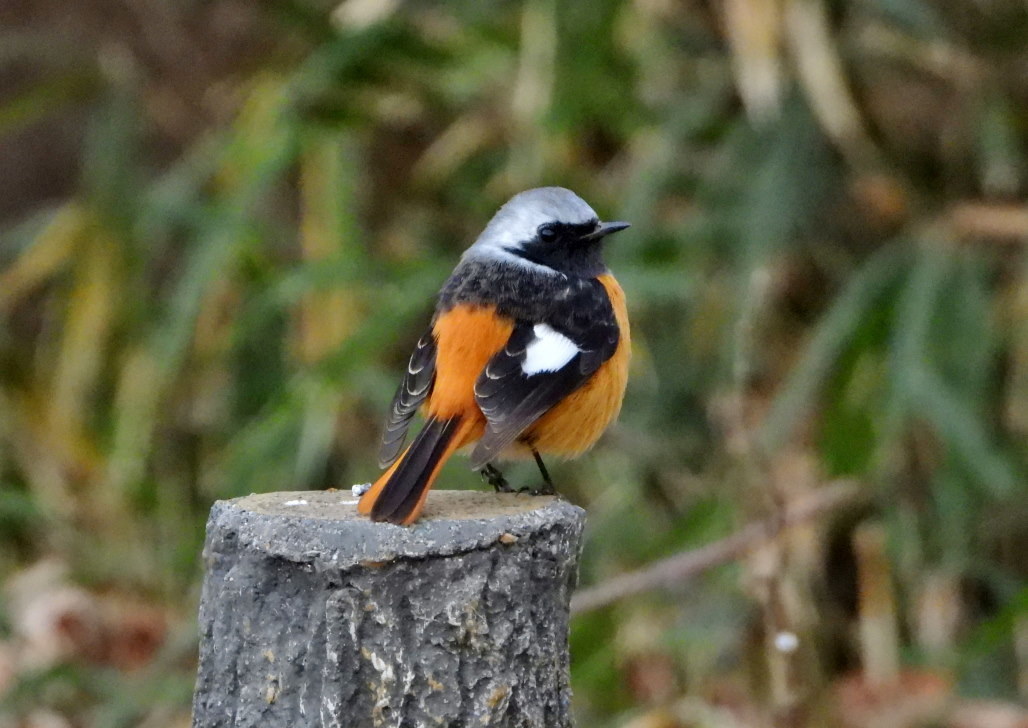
[(547, 227)]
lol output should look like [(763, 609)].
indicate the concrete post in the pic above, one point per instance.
[(314, 616)]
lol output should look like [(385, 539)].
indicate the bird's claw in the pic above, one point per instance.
[(545, 490), (494, 477)]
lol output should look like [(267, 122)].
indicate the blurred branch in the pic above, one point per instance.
[(753, 28), (994, 221), (820, 71), (879, 640), (933, 55), (674, 571)]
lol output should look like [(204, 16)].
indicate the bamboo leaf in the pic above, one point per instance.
[(830, 338), (49, 252), (964, 432), (910, 349)]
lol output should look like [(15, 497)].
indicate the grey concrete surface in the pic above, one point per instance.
[(314, 616)]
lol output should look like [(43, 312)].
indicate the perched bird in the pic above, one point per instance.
[(527, 353)]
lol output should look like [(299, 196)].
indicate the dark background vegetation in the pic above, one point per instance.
[(223, 223)]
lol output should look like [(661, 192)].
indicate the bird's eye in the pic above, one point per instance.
[(547, 232)]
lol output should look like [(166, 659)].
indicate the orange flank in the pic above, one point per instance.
[(467, 337)]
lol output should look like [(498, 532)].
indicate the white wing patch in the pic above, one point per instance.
[(548, 352)]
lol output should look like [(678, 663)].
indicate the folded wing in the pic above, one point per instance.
[(414, 389), (538, 367)]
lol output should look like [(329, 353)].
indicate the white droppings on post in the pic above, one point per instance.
[(786, 642), (383, 667)]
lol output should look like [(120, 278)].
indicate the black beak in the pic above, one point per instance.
[(606, 228)]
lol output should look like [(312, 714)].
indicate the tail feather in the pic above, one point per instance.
[(399, 494)]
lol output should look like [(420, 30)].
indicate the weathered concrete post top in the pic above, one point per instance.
[(314, 616)]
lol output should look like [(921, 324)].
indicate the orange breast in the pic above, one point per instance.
[(574, 425)]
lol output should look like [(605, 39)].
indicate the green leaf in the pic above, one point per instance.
[(830, 338), (965, 433)]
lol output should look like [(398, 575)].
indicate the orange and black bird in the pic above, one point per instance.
[(527, 353)]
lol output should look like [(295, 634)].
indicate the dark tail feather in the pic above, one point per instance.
[(398, 495)]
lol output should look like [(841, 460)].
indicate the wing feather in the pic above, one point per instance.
[(413, 390), (512, 399)]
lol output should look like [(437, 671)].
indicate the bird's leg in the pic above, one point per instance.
[(548, 488), (491, 474)]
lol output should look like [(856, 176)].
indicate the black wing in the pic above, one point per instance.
[(511, 400), (415, 387)]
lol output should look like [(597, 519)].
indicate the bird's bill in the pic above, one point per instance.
[(607, 228)]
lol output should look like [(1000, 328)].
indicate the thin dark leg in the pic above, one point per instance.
[(549, 489), (491, 474)]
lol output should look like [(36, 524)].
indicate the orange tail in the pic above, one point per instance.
[(399, 494)]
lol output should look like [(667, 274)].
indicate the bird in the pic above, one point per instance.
[(526, 354)]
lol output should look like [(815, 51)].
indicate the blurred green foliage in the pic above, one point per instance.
[(223, 233)]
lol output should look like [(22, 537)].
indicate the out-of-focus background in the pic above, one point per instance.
[(223, 223)]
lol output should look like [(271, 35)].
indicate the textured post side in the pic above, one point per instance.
[(314, 616)]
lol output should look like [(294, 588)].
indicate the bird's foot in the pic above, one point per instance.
[(547, 489), (491, 474)]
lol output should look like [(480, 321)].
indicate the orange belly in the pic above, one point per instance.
[(574, 425)]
